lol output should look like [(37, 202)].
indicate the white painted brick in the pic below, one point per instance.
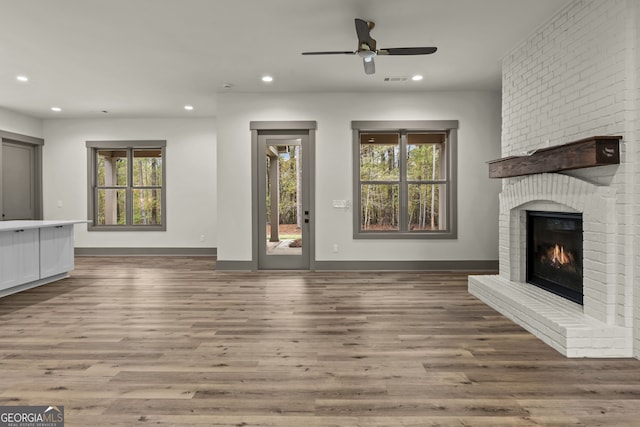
[(582, 80)]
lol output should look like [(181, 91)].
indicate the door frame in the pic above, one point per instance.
[(287, 127), (36, 143)]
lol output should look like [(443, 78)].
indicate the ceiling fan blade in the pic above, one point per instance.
[(407, 51), (331, 52), (369, 66), (363, 29)]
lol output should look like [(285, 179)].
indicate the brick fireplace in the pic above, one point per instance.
[(576, 76), (575, 330)]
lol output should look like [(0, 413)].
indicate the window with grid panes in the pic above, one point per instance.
[(127, 185), (404, 180)]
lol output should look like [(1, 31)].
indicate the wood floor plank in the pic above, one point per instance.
[(171, 342)]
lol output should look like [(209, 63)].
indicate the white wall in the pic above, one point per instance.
[(190, 173), (19, 123), (478, 141)]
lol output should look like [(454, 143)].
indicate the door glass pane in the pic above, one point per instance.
[(284, 200), (424, 156), (147, 167), (380, 207), (112, 168), (111, 207), (426, 207), (379, 157), (147, 208)]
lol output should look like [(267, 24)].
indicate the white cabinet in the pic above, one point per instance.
[(56, 250), (33, 253), (19, 257)]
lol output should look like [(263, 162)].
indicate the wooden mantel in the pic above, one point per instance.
[(585, 153)]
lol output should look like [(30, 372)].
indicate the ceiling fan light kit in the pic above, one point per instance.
[(367, 47)]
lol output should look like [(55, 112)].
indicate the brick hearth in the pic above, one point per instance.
[(572, 329)]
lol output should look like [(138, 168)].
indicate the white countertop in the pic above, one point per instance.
[(22, 225)]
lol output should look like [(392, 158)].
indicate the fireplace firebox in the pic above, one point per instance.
[(554, 253)]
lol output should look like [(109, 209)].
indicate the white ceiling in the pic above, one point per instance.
[(148, 58)]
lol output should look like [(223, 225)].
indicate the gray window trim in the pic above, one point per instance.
[(450, 128), (92, 148)]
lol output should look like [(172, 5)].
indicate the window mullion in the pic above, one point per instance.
[(428, 181), (129, 193), (93, 207), (385, 182), (403, 191)]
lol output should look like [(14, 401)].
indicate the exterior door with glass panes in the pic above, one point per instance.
[(283, 199)]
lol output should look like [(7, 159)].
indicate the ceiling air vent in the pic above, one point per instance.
[(396, 79)]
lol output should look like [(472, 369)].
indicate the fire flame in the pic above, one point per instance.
[(558, 257)]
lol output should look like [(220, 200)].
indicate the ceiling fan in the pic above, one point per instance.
[(367, 47)]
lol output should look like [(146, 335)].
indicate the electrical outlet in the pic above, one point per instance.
[(335, 248), (202, 237)]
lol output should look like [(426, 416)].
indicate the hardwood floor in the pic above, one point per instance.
[(171, 342)]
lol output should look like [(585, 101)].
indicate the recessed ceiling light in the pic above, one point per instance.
[(416, 78), (188, 107), (267, 79), (56, 109), (22, 78)]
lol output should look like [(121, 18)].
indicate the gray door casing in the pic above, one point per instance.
[(21, 177), (263, 134)]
